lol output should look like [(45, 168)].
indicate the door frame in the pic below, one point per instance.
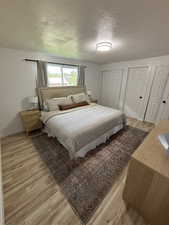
[(162, 97), (150, 79), (153, 74), (121, 83)]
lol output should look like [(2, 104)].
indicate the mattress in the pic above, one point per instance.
[(83, 128)]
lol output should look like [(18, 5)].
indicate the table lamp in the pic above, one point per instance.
[(33, 100)]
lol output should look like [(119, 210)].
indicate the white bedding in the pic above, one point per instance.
[(83, 128)]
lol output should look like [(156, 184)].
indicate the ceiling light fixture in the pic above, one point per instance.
[(104, 46)]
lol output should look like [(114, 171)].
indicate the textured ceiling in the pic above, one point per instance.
[(71, 28)]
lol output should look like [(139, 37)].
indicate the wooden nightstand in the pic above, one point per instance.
[(31, 120), (94, 100)]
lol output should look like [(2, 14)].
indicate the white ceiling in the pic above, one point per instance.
[(71, 28)]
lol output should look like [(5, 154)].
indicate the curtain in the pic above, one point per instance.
[(42, 78), (81, 76)]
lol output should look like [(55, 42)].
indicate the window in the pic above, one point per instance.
[(61, 75)]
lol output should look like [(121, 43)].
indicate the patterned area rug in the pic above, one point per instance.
[(85, 182)]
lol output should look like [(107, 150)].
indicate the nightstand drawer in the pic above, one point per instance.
[(31, 120), (28, 119), (33, 125), (30, 115), (94, 101)]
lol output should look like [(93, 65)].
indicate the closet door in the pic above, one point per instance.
[(111, 88), (158, 86), (136, 92), (163, 113)]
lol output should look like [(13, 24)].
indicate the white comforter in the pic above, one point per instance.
[(77, 127)]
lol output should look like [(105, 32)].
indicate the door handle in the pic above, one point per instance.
[(164, 102), (140, 97)]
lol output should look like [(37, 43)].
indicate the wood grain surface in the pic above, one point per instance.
[(31, 196)]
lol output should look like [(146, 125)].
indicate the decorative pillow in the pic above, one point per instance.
[(81, 97), (74, 105), (53, 103)]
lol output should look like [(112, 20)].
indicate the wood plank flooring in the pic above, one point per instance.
[(32, 197)]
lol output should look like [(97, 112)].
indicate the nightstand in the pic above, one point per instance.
[(31, 120), (94, 100)]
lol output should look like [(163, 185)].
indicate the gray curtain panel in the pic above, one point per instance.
[(42, 78), (81, 76)]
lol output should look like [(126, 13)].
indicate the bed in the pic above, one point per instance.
[(83, 128)]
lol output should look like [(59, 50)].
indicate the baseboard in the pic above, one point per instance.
[(13, 134)]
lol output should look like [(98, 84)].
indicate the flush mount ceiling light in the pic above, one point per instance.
[(104, 46)]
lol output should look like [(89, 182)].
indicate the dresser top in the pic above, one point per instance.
[(151, 153)]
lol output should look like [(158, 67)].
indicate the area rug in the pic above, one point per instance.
[(85, 182)]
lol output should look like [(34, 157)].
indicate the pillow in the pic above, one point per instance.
[(53, 103), (81, 97), (74, 105)]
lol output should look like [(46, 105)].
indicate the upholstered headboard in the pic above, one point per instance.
[(56, 92)]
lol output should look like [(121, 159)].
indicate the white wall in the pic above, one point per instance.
[(17, 82), (150, 62)]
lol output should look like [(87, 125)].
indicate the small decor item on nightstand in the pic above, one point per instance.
[(33, 100), (164, 140)]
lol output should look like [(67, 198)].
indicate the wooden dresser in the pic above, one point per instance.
[(147, 184)]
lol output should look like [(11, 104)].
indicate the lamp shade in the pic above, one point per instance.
[(33, 99)]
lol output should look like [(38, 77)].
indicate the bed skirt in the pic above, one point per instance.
[(92, 145)]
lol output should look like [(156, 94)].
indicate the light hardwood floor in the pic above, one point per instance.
[(31, 196)]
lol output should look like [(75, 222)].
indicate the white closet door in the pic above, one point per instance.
[(111, 88), (136, 92), (159, 83), (163, 113)]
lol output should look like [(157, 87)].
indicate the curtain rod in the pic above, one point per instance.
[(35, 60)]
